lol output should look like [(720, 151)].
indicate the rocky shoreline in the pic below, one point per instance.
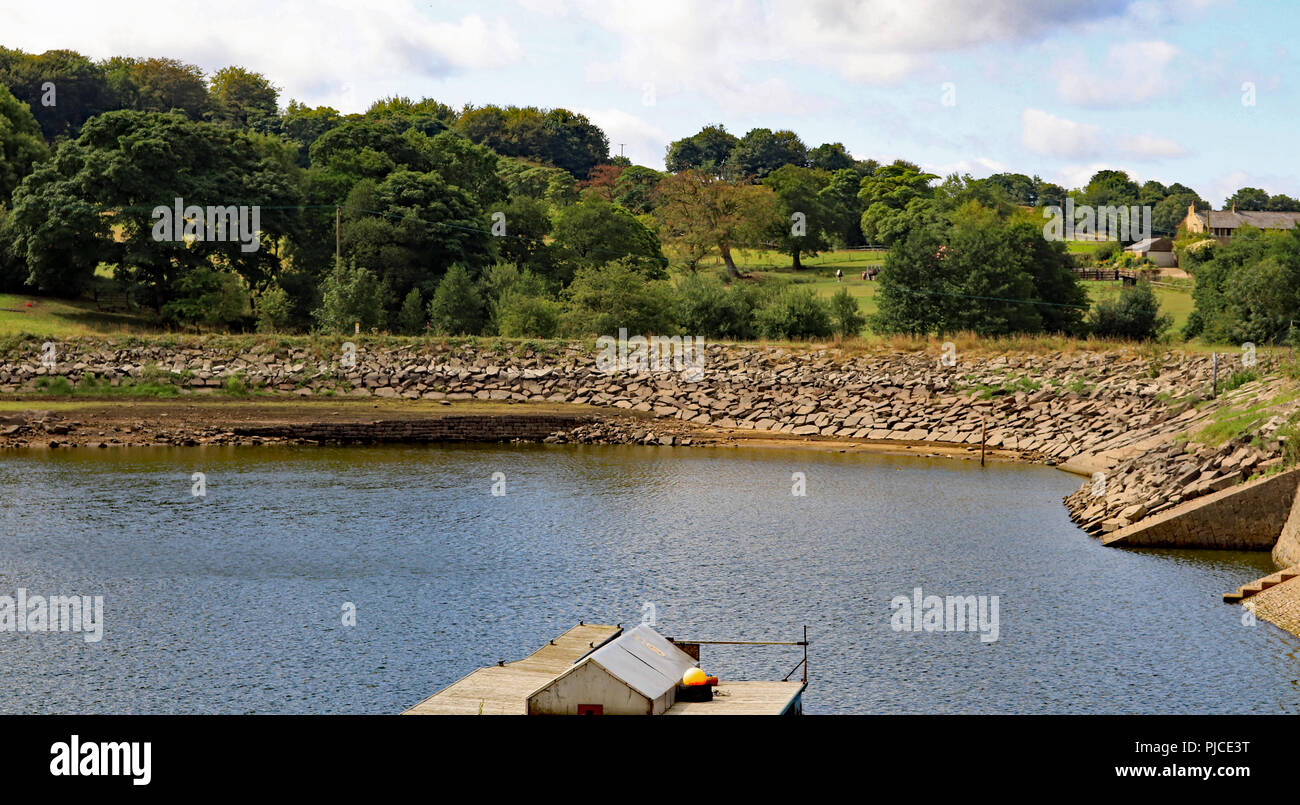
[(1123, 418)]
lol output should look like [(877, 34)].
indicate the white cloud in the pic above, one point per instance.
[(1131, 73), (330, 52), (979, 167), (644, 141), (720, 50), (1047, 134), (1150, 146)]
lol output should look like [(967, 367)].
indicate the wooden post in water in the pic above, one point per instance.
[(983, 432)]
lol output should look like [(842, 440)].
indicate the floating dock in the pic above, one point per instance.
[(593, 669)]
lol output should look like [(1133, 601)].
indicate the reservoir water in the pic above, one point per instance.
[(235, 601)]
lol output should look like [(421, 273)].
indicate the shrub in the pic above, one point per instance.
[(1106, 252), (602, 299), (1133, 315), (520, 315), (274, 310), (794, 312), (705, 305), (350, 295), (845, 318)]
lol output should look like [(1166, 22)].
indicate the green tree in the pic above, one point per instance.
[(705, 305), (426, 115), (978, 272), (562, 138), (205, 296), (634, 189), (304, 125), (21, 146), (594, 232), (125, 171), (762, 151), (805, 217), (1247, 199), (166, 85), (77, 87), (410, 319), (831, 157), (888, 198), (1171, 211), (350, 296), (274, 309), (698, 213), (243, 99), (457, 307), (706, 151)]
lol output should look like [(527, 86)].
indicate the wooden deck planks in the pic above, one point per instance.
[(742, 699), (503, 690)]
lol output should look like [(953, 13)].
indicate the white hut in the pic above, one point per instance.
[(637, 673)]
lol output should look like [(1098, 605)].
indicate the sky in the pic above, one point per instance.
[(1192, 91)]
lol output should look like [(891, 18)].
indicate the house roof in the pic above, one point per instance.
[(644, 661), (1151, 245), (1231, 219)]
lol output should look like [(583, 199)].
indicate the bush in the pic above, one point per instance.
[(274, 310), (705, 305), (845, 318), (1133, 315), (350, 295), (520, 315), (457, 306), (794, 312), (602, 299), (1106, 252)]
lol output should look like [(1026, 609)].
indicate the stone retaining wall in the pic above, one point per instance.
[(1248, 517)]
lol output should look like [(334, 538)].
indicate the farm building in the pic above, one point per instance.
[(1158, 250), (1221, 224)]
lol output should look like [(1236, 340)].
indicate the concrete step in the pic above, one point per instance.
[(1260, 585)]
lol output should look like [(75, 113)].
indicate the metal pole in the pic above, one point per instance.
[(983, 432), (805, 654)]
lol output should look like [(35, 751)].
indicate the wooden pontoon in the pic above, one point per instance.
[(555, 680)]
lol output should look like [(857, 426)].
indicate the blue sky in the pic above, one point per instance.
[(1053, 87)]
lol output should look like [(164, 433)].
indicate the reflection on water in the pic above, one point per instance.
[(233, 602)]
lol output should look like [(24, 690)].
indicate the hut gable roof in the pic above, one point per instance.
[(643, 660)]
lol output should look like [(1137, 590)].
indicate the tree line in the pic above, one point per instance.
[(414, 216)]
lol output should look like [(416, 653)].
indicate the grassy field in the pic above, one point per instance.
[(42, 315), (819, 273)]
